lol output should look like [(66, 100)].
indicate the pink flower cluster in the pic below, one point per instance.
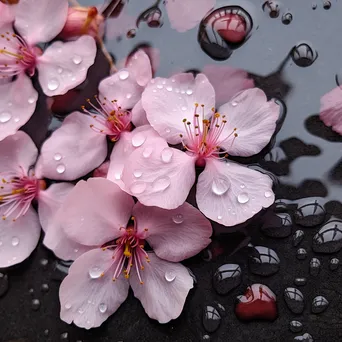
[(129, 225)]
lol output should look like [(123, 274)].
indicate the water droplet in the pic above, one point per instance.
[(268, 194), (296, 326), (138, 188), (5, 117), (166, 155), (287, 18), (206, 338), (272, 8), (138, 139), (297, 237), (81, 311), (59, 70), (77, 59), (161, 184), (44, 262), (242, 186), (123, 74), (46, 332), (300, 281), (178, 218), (219, 217), (95, 272), (169, 88), (170, 276), (294, 299), (189, 92), (220, 185), (4, 285), (243, 198), (314, 267), (207, 255), (16, 119), (15, 241), (160, 86), (65, 336), (211, 319), (226, 278), (314, 6), (310, 212), (35, 304), (45, 288), (334, 264), (147, 152), (326, 5), (131, 33), (32, 99), (184, 108), (329, 238), (137, 173), (103, 307), (57, 156), (67, 306), (304, 338), (263, 261), (31, 291), (53, 84), (301, 254), (277, 225), (234, 103), (117, 175), (60, 168), (303, 54), (319, 304)]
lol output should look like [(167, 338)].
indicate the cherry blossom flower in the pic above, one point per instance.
[(115, 229), (61, 67), (181, 110), (80, 144), (331, 109), (20, 186)]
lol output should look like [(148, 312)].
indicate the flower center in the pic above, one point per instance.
[(16, 55), (203, 136), (17, 193), (109, 118), (128, 252)]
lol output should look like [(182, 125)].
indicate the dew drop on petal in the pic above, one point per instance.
[(138, 139), (166, 155), (137, 173), (117, 175), (123, 75), (219, 217), (243, 198), (170, 276), (95, 272), (169, 88), (268, 194), (60, 168), (147, 152), (103, 307), (159, 86), (234, 103), (53, 84), (128, 96), (67, 306), (77, 59), (138, 188), (178, 218), (220, 185), (5, 117), (15, 241), (16, 120), (184, 108), (167, 130), (161, 184), (189, 91), (59, 70), (57, 156), (32, 99)]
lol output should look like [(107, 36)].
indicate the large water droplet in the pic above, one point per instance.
[(211, 319), (286, 18), (297, 238), (277, 225), (220, 185), (314, 267), (138, 188), (53, 84), (326, 5), (301, 254), (334, 264), (138, 139), (170, 276), (57, 156), (5, 117), (294, 299), (166, 154), (304, 338), (3, 284), (67, 306), (296, 326), (263, 261), (243, 198), (15, 241), (300, 281), (60, 168), (147, 152), (77, 59), (310, 212), (35, 304), (303, 54), (137, 173), (103, 307), (178, 218), (123, 75), (226, 278), (319, 304), (272, 8), (95, 272), (329, 238), (161, 184)]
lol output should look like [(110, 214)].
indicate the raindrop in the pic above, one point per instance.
[(300, 281), (137, 173), (169, 88), (31, 291), (131, 33), (46, 332), (128, 96), (65, 336), (314, 267), (226, 278), (161, 184), (167, 130), (178, 218), (234, 103), (103, 307), (310, 212), (32, 99), (5, 117), (138, 188), (303, 54), (123, 75), (15, 241), (16, 120), (334, 264), (206, 338), (147, 152), (35, 304), (243, 198), (60, 168), (277, 225), (326, 5), (301, 254), (67, 306), (61, 269), (263, 261), (4, 285), (298, 237), (294, 299), (287, 18), (329, 238), (211, 319), (138, 139), (170, 276), (59, 70), (304, 338), (166, 155), (272, 8), (220, 185), (53, 84), (77, 59), (314, 6), (95, 272), (296, 326), (189, 91), (57, 156), (268, 194), (319, 304), (45, 288), (184, 108)]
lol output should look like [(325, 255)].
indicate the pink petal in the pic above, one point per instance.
[(255, 119), (229, 193), (166, 286), (88, 301), (18, 239), (7, 14), (227, 81), (17, 102), (185, 15), (174, 235), (99, 208), (73, 150), (139, 64), (63, 66), (102, 170), (158, 175), (40, 21), (168, 101), (331, 109), (17, 153), (139, 115), (124, 148)]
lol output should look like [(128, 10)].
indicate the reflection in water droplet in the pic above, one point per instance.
[(5, 117), (170, 276), (166, 155), (220, 185), (147, 152), (277, 225), (3, 284), (334, 264), (35, 304), (57, 156), (211, 319), (297, 237), (161, 184), (123, 74), (60, 168), (77, 59), (103, 307), (226, 278), (138, 139), (137, 173), (296, 326), (95, 272), (178, 218), (329, 238), (272, 8), (15, 241), (314, 267), (300, 281), (53, 84), (303, 54), (287, 18), (294, 299), (301, 254), (243, 198), (319, 304), (263, 261)]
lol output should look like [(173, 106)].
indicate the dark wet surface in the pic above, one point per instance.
[(297, 241)]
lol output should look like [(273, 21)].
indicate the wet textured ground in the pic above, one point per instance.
[(305, 159)]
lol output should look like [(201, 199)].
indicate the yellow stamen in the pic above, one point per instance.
[(5, 52), (127, 251)]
